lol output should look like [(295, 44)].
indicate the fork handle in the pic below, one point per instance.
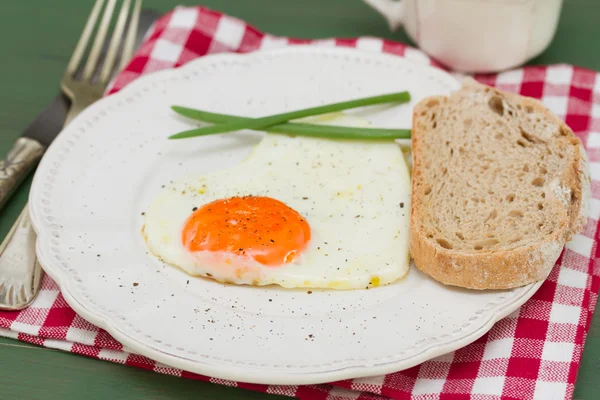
[(19, 265), (77, 106), (19, 161)]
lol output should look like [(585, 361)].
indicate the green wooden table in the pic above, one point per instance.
[(36, 40)]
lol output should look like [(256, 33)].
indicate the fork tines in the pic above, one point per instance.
[(98, 67)]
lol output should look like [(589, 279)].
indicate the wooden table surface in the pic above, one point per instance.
[(36, 40)]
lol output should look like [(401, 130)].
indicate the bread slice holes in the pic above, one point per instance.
[(543, 171), (430, 236), (529, 137), (540, 206), (434, 125), (543, 195), (515, 240), (519, 107), (496, 105), (444, 171), (539, 182), (561, 155), (516, 214), (432, 103), (510, 113), (451, 152), (460, 236), (492, 215), (468, 122), (427, 190), (521, 143), (486, 243), (499, 136), (461, 150), (528, 109), (573, 197), (510, 198), (444, 243), (526, 168)]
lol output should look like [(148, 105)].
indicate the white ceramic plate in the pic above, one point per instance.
[(104, 169)]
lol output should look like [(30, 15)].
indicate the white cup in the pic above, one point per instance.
[(475, 35)]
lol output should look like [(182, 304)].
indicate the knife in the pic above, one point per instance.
[(28, 149)]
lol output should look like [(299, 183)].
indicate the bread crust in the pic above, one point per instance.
[(497, 269), (493, 270)]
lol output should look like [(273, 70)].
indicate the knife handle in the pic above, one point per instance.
[(19, 161)]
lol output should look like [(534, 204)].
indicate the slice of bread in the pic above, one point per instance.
[(499, 185)]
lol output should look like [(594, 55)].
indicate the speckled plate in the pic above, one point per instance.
[(108, 164)]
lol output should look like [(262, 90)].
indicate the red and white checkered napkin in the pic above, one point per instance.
[(533, 353)]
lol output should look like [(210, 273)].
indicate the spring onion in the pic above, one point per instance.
[(268, 121), (296, 128)]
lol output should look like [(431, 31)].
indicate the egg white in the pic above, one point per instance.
[(355, 195)]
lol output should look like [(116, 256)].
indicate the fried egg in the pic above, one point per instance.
[(299, 212)]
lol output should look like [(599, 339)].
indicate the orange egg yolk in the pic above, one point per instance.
[(261, 228)]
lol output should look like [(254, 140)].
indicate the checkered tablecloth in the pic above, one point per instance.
[(533, 353)]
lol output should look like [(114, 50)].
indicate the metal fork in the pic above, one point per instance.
[(83, 83)]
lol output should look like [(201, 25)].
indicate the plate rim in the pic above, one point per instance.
[(233, 372)]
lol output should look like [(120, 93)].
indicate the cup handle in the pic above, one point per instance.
[(393, 11)]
